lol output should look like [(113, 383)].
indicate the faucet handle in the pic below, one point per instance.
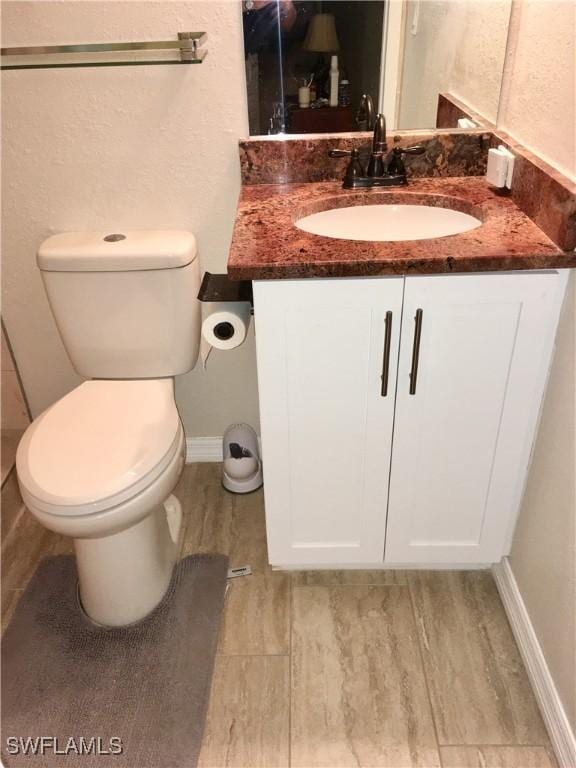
[(341, 152), (354, 169), (396, 164), (354, 153), (417, 149), (349, 152)]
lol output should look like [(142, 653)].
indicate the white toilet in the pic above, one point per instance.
[(101, 463)]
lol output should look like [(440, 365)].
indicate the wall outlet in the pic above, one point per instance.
[(500, 167)]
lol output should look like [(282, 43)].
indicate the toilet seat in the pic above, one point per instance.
[(99, 446)]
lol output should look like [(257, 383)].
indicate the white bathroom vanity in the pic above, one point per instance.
[(398, 414)]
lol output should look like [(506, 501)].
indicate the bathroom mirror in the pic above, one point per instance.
[(424, 63)]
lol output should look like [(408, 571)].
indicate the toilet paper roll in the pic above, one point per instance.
[(224, 326)]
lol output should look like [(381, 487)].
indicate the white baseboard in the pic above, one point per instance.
[(203, 449), (555, 718), (383, 567)]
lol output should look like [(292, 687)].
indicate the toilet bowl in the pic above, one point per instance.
[(99, 466)]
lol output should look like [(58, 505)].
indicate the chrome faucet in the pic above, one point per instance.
[(382, 170)]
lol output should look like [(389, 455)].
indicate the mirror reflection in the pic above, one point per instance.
[(329, 67)]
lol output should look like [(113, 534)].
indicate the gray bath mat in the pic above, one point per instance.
[(142, 689)]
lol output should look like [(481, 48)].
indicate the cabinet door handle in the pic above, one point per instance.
[(386, 359), (416, 350)]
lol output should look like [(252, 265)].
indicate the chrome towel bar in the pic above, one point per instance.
[(186, 50)]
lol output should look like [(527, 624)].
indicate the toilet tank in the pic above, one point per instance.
[(125, 303)]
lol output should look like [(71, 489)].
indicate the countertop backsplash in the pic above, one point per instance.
[(305, 159)]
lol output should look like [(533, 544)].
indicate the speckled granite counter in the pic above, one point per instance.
[(267, 245)]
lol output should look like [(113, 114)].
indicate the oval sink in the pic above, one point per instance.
[(391, 222)]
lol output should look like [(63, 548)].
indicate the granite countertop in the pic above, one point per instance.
[(267, 245)]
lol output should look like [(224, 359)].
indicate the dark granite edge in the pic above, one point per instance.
[(406, 266)]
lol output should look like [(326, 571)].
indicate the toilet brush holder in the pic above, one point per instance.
[(242, 467)]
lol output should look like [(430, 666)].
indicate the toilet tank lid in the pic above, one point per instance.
[(124, 251)]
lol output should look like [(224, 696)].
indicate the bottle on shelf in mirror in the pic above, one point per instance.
[(344, 93), (334, 77)]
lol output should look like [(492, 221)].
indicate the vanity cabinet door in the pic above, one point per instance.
[(466, 411), (326, 420)]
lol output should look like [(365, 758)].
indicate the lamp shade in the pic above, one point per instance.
[(321, 34)]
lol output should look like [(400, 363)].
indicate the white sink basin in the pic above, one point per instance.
[(388, 222)]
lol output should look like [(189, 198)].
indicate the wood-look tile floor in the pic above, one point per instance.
[(341, 669)]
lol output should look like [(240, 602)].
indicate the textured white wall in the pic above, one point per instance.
[(537, 105), (480, 38), (537, 108), (459, 47), (113, 148)]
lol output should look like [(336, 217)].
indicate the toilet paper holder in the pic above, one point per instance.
[(219, 287)]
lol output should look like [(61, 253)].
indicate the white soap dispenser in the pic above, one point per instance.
[(334, 76)]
